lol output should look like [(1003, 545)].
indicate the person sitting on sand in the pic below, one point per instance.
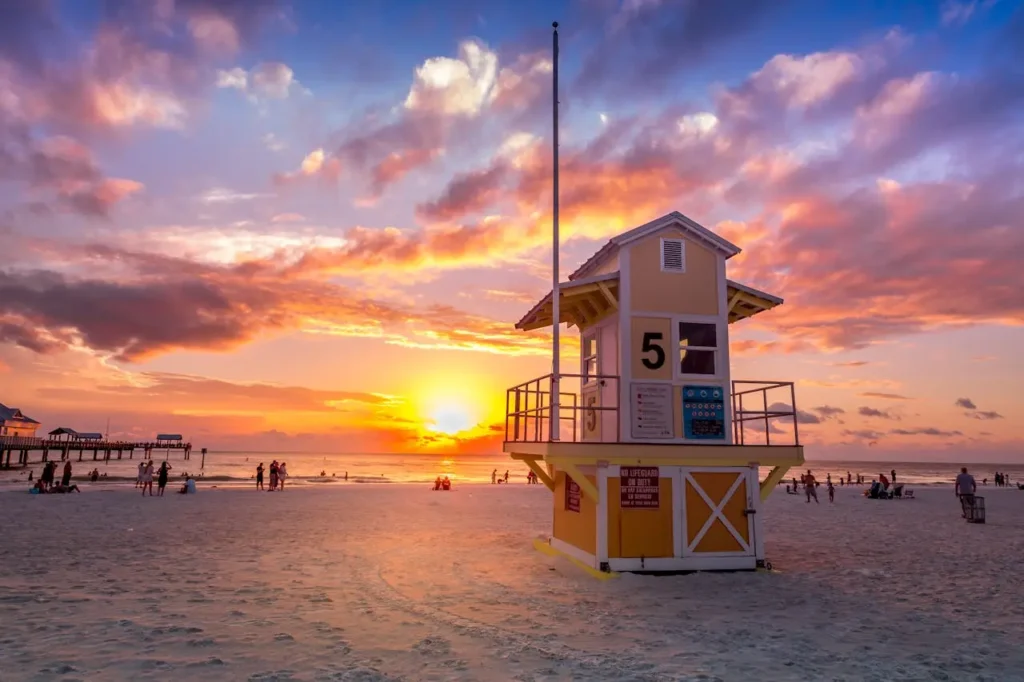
[(446, 484), (61, 489), (189, 488), (437, 483)]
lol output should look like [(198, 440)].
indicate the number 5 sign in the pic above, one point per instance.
[(651, 345)]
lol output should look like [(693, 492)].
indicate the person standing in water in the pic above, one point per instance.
[(259, 477), (161, 478)]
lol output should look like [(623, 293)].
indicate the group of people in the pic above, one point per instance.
[(278, 474), (1002, 479), (46, 479), (495, 478), (442, 483), (145, 479)]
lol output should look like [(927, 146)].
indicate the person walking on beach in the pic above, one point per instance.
[(259, 477), (66, 478), (964, 489), (809, 484), (161, 478), (494, 477), (831, 492), (142, 470), (506, 476), (282, 473)]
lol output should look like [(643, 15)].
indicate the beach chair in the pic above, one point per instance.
[(908, 494)]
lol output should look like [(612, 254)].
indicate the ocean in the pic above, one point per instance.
[(304, 468)]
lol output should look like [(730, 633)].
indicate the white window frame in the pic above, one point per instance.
[(677, 345), (661, 254), (588, 379)]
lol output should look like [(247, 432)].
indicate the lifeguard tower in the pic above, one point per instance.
[(654, 453)]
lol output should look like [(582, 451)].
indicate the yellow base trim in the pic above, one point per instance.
[(541, 473), (546, 548), (588, 488)]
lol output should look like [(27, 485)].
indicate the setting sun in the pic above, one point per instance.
[(451, 419)]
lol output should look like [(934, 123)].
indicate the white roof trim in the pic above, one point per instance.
[(754, 292)]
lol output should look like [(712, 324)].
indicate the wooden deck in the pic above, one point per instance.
[(50, 448)]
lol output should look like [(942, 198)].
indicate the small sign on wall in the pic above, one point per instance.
[(704, 412), (639, 488), (651, 410), (572, 495)]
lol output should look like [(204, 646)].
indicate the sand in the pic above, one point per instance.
[(396, 582)]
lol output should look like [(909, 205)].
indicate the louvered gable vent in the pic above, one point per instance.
[(673, 255)]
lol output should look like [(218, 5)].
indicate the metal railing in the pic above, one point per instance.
[(768, 412), (757, 406), (528, 408)]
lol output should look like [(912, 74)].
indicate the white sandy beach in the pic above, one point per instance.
[(396, 582)]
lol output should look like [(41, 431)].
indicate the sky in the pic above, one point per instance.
[(312, 225)]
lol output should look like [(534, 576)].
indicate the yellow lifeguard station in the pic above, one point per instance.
[(654, 451)]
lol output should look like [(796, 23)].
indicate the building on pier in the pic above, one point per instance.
[(14, 423)]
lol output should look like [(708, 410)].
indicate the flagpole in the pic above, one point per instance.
[(555, 422)]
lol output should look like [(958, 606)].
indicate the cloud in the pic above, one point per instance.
[(221, 195), (926, 431), (288, 218), (125, 75), (966, 403), (152, 304), (984, 415), (314, 165), (64, 172), (852, 363), (828, 412), (660, 39), (874, 412), (863, 434), (957, 12), (266, 80), (445, 104), (883, 396)]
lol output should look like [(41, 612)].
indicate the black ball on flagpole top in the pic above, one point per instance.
[(554, 24)]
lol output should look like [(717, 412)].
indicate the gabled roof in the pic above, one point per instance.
[(13, 414), (673, 219), (63, 431), (581, 302)]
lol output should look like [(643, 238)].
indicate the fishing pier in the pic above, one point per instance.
[(63, 443)]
